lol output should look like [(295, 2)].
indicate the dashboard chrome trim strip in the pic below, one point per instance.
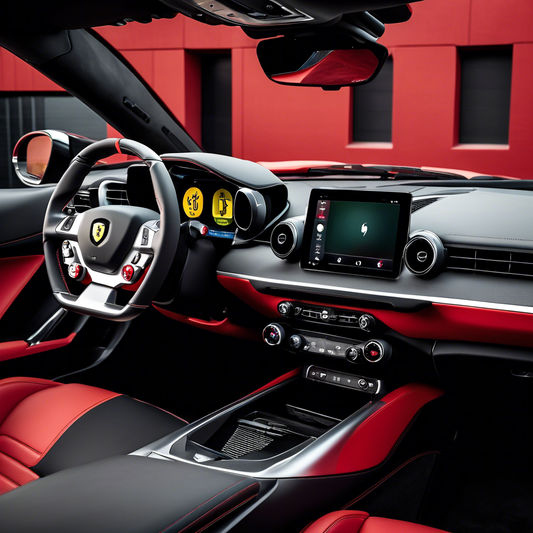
[(425, 298)]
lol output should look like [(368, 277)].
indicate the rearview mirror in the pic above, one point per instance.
[(330, 61)]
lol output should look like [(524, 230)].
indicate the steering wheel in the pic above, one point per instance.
[(115, 244)]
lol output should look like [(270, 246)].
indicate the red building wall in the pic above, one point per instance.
[(271, 122)]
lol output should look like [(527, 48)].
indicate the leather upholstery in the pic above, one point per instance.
[(38, 416), (361, 522), (130, 494)]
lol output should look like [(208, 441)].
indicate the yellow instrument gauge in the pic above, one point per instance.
[(193, 202), (223, 207)]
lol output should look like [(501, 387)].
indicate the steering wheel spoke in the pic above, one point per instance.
[(111, 246)]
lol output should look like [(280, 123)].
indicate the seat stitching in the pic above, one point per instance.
[(20, 442), (212, 497), (342, 519), (218, 505), (381, 481), (227, 512), (9, 479)]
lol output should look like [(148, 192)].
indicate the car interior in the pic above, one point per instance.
[(190, 341)]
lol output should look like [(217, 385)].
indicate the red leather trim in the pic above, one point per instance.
[(14, 390), (374, 439), (439, 321), (224, 327), (338, 522), (15, 272), (6, 484), (12, 472), (386, 525), (117, 146), (15, 471), (38, 421), (277, 381), (16, 449), (14, 349)]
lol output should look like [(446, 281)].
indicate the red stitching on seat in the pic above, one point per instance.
[(218, 494), (216, 506), (9, 479), (20, 442), (376, 485), (227, 512), (341, 520)]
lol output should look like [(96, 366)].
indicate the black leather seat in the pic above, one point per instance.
[(47, 426)]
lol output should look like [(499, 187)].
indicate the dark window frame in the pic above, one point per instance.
[(216, 101), (477, 93), (370, 92)]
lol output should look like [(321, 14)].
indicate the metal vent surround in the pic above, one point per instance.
[(490, 261), (423, 202), (82, 201), (112, 193)]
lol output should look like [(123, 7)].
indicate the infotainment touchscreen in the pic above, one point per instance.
[(357, 232)]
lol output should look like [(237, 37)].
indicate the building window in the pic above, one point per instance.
[(485, 95), (216, 102), (22, 113), (372, 108)]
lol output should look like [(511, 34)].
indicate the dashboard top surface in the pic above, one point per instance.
[(470, 217)]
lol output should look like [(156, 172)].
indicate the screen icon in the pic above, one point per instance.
[(222, 207), (364, 229), (380, 264), (193, 202)]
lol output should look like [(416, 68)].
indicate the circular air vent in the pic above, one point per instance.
[(424, 254), (286, 238), (250, 210)]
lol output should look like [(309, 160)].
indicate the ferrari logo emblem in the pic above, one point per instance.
[(99, 231)]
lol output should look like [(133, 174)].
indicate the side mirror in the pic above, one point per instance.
[(41, 157), (330, 61)]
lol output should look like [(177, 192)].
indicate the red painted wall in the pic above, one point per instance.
[(271, 122)]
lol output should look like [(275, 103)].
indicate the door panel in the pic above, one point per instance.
[(28, 311)]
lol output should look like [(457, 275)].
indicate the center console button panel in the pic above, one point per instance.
[(355, 351), (342, 379), (326, 314)]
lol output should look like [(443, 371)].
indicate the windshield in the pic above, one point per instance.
[(438, 103)]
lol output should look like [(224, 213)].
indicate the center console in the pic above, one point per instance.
[(320, 422), (314, 437)]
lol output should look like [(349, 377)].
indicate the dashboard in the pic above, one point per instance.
[(476, 240)]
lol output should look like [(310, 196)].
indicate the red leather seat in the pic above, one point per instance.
[(361, 522), (47, 426)]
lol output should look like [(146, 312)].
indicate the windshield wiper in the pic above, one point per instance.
[(383, 173)]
